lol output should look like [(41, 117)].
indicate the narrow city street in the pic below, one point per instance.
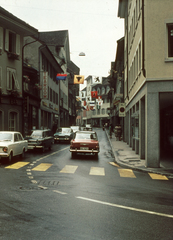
[(51, 196)]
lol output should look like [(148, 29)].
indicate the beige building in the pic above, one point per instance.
[(148, 77)]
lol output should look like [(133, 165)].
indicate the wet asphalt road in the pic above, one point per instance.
[(82, 198)]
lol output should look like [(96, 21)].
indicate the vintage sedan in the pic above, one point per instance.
[(12, 144), (84, 142), (88, 127), (63, 134), (75, 128), (41, 139)]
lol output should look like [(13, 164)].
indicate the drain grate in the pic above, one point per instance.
[(48, 182)]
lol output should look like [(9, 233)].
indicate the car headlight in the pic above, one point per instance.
[(5, 149)]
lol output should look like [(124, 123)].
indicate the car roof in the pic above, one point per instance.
[(9, 132), (41, 130), (85, 132)]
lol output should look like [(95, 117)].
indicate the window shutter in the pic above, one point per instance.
[(1, 37), (8, 79), (7, 40), (16, 82), (17, 44)]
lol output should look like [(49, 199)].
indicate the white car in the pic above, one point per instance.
[(12, 144)]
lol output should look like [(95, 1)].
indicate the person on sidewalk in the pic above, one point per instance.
[(110, 130), (118, 132)]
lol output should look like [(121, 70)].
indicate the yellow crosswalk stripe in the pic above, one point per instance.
[(114, 164), (97, 171), (157, 176), (17, 165), (126, 173), (69, 169), (42, 167)]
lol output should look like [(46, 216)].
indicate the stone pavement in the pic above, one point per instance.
[(126, 157)]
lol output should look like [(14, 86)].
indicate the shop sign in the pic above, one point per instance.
[(56, 109), (45, 85), (44, 103), (122, 108), (115, 102)]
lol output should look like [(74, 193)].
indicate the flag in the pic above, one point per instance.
[(99, 98), (82, 94), (88, 98), (96, 80), (94, 94), (61, 76), (92, 103), (78, 79)]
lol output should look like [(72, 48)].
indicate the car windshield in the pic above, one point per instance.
[(37, 134), (64, 130), (5, 137), (86, 136)]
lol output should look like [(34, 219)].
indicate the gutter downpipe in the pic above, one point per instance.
[(22, 83), (143, 42)]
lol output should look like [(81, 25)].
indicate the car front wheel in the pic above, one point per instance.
[(10, 157)]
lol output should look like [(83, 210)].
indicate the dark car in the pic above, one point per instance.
[(63, 134), (84, 142), (41, 139)]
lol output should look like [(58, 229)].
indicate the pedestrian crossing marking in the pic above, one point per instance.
[(126, 173), (69, 169), (114, 164), (97, 171), (17, 165), (42, 167), (157, 176)]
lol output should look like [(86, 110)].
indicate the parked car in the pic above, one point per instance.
[(84, 142), (75, 128), (41, 139), (63, 134), (12, 144), (88, 127)]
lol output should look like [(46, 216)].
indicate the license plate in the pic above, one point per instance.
[(84, 148)]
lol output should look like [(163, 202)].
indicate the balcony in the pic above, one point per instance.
[(13, 56)]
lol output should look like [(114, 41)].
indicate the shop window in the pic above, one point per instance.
[(13, 121)]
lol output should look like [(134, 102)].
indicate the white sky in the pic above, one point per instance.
[(93, 26)]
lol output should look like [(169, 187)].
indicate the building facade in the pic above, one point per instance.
[(12, 32), (148, 77)]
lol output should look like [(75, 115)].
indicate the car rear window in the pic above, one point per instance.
[(86, 136)]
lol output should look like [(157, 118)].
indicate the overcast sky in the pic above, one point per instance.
[(93, 26)]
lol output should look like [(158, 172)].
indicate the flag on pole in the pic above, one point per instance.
[(61, 76), (94, 94), (78, 79), (96, 80)]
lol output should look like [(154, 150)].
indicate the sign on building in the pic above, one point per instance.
[(122, 109)]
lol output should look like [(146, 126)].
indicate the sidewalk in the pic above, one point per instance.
[(126, 157)]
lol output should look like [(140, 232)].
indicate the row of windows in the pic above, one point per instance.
[(46, 66), (134, 22), (135, 66), (52, 96), (100, 111)]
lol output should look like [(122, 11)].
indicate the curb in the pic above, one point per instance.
[(115, 155)]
